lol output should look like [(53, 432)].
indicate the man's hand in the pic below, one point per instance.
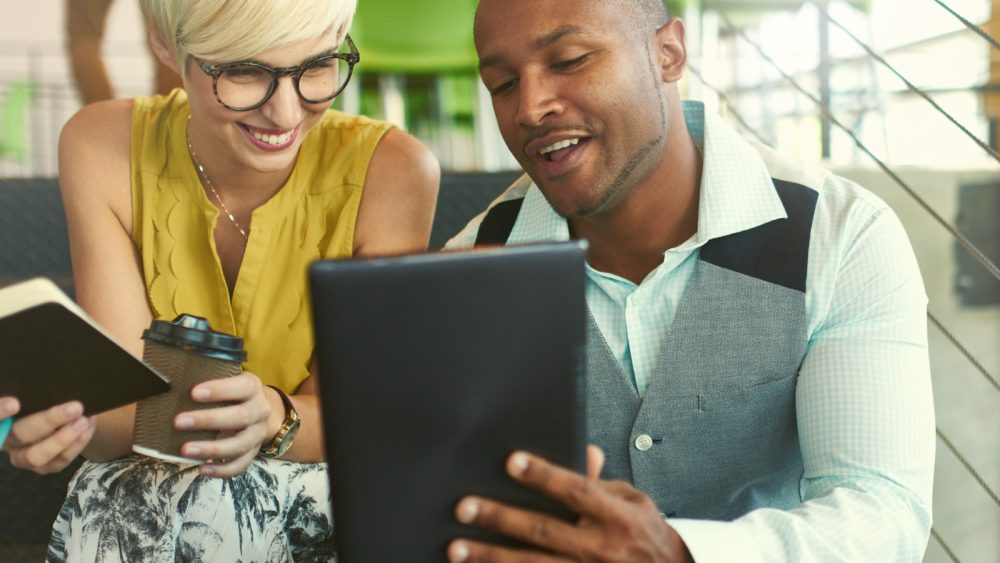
[(617, 522)]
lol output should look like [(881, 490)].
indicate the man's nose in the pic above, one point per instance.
[(538, 99)]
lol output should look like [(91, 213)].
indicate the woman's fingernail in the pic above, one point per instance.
[(8, 407), (200, 393), (80, 424), (468, 511), (184, 421), (459, 552), (192, 451), (207, 471), (73, 410)]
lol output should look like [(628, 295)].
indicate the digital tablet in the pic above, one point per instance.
[(433, 368)]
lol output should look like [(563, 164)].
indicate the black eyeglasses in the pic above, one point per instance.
[(247, 85)]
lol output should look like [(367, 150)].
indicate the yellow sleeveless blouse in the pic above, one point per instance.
[(311, 217)]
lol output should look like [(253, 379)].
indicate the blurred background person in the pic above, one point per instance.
[(85, 20)]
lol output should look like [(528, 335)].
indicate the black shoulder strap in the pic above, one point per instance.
[(499, 222)]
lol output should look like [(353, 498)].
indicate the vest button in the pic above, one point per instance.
[(643, 442)]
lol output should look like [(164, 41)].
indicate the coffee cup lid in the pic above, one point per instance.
[(196, 335)]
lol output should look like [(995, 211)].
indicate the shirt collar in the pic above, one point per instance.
[(737, 192)]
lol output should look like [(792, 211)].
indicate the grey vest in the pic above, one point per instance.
[(715, 435)]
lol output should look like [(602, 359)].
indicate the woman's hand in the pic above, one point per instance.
[(48, 441), (242, 425)]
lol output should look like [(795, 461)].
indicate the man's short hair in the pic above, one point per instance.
[(645, 13), (649, 12)]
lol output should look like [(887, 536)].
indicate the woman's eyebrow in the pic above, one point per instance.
[(325, 53)]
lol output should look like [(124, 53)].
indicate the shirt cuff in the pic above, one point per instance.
[(711, 541)]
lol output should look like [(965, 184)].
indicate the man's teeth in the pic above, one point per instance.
[(272, 139), (558, 145)]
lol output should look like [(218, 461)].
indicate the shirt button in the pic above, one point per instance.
[(643, 442)]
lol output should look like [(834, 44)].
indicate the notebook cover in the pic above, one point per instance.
[(50, 355), (432, 369)]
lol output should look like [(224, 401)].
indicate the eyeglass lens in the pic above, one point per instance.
[(244, 86)]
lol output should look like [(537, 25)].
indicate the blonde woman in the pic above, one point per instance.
[(213, 203)]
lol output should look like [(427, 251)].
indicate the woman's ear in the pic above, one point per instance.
[(162, 52), (671, 50)]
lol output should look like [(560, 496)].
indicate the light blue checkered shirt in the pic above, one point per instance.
[(864, 406)]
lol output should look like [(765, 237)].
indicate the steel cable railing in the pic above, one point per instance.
[(964, 351), (827, 115), (944, 545), (968, 245), (973, 27), (725, 100), (871, 53)]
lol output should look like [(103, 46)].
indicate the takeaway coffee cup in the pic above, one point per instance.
[(188, 352)]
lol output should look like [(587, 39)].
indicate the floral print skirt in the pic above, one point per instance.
[(142, 509)]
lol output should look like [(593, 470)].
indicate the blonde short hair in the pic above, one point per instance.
[(231, 30)]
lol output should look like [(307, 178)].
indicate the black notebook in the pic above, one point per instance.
[(52, 352), (432, 369)]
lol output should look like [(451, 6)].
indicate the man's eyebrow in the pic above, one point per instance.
[(555, 36), (539, 43)]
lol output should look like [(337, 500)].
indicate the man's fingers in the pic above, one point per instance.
[(529, 527), (595, 461), (469, 551), (38, 426), (579, 493)]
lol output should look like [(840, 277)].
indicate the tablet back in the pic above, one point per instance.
[(432, 369)]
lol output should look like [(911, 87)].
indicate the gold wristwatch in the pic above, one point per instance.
[(286, 433)]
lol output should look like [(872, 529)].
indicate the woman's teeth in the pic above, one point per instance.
[(272, 139), (558, 145)]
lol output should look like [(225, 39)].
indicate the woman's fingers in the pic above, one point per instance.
[(231, 417), (66, 457), (8, 407), (228, 468), (227, 447), (41, 425), (238, 388), (57, 450), (242, 425)]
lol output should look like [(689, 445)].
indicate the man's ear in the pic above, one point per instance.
[(671, 50), (162, 52)]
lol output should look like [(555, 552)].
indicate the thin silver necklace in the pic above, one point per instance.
[(204, 176)]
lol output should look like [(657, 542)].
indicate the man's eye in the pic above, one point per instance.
[(571, 63), (502, 88)]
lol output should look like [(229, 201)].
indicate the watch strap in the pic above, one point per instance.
[(277, 445)]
